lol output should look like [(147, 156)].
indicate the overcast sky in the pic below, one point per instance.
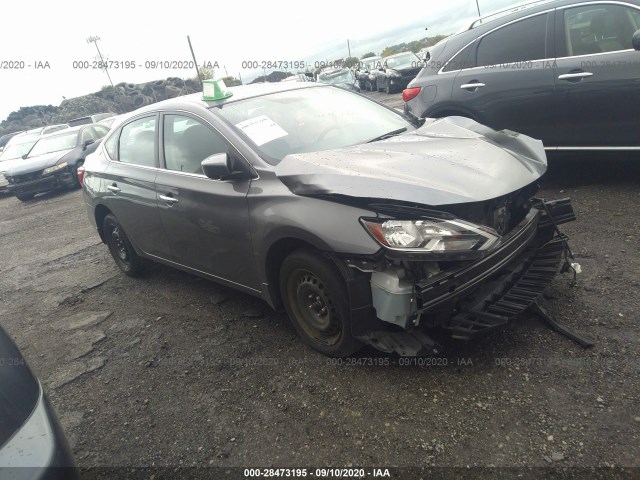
[(224, 32)]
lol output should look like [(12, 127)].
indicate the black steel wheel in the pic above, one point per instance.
[(314, 296), (24, 197), (120, 247)]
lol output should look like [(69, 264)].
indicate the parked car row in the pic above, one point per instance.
[(390, 74), (35, 163), (563, 71)]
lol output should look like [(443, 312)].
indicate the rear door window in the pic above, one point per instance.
[(518, 42), (137, 142)]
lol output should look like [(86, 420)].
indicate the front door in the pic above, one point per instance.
[(205, 220), (598, 75)]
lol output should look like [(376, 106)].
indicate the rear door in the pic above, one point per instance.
[(205, 220), (129, 181), (511, 83), (598, 75)]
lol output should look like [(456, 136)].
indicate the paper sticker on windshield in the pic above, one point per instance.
[(261, 129)]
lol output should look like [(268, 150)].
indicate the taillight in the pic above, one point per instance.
[(409, 93), (81, 175)]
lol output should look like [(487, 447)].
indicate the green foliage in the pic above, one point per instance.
[(206, 73), (231, 81), (367, 55), (351, 62), (414, 46)]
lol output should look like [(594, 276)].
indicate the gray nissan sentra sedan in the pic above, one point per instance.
[(364, 226)]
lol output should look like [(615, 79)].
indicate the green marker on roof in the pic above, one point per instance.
[(213, 90)]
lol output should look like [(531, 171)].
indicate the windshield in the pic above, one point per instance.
[(55, 144), (310, 120), (344, 77), (16, 150), (402, 61)]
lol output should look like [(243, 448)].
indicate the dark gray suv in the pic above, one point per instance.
[(363, 227), (565, 72)]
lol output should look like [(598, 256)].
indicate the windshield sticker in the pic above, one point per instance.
[(261, 129)]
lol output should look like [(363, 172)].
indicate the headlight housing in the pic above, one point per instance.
[(432, 235), (55, 168)]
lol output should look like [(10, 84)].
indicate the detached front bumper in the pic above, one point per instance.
[(479, 296)]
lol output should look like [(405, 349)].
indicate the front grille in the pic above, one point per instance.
[(28, 177)]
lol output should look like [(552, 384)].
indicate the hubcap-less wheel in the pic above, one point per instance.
[(119, 245), (314, 307)]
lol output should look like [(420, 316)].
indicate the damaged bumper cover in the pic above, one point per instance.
[(478, 296)]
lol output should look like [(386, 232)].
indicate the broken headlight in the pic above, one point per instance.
[(434, 235)]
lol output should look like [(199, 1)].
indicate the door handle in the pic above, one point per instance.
[(574, 75), (169, 199), (114, 188), (471, 86)]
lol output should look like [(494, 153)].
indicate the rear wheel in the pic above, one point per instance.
[(120, 247), (314, 296), (24, 197)]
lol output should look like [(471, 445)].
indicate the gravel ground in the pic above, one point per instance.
[(172, 370)]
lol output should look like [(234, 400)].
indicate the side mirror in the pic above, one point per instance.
[(216, 166), (635, 40), (91, 141)]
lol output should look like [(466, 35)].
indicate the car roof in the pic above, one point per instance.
[(398, 54), (65, 131), (241, 92)]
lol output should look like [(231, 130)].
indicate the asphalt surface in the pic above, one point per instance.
[(172, 370)]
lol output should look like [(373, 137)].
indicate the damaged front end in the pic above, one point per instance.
[(464, 282)]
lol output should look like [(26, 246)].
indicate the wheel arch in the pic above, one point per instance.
[(451, 111), (279, 248), (100, 212)]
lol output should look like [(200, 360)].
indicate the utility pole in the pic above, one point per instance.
[(478, 6), (94, 40), (194, 61)]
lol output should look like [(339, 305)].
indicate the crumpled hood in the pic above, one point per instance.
[(39, 162), (446, 161)]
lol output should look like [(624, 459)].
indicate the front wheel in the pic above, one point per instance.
[(120, 247), (24, 197), (315, 298)]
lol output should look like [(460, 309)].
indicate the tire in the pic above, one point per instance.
[(24, 197), (315, 299), (120, 247)]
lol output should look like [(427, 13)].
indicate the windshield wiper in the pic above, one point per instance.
[(388, 135)]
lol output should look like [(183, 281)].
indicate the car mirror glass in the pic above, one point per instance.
[(216, 166), (636, 40), (87, 143)]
